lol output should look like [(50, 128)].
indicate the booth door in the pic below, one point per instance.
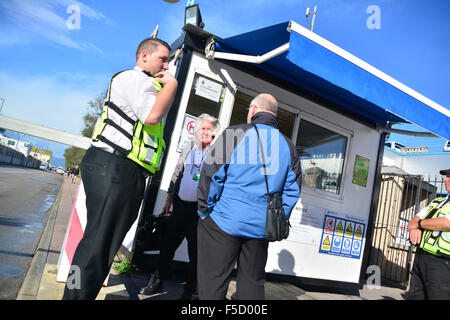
[(205, 96), (242, 101)]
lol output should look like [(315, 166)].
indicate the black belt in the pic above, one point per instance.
[(115, 152), (119, 154)]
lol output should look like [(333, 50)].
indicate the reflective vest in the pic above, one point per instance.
[(437, 242), (147, 143)]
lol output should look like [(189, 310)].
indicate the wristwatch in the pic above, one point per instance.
[(420, 223)]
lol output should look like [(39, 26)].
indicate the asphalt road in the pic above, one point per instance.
[(26, 198)]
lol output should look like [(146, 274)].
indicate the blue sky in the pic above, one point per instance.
[(48, 72)]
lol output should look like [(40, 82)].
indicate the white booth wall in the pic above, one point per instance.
[(306, 252)]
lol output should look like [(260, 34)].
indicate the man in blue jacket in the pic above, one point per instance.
[(232, 201)]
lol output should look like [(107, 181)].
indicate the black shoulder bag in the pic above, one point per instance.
[(277, 224)]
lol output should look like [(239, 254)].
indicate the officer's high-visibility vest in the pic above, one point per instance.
[(437, 242), (147, 143)]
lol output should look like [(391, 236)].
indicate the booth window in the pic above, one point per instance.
[(242, 101), (206, 96), (322, 153)]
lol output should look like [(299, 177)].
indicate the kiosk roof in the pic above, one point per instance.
[(319, 66)]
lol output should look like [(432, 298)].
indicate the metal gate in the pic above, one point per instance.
[(401, 197)]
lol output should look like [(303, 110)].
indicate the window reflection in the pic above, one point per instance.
[(322, 154), (206, 96)]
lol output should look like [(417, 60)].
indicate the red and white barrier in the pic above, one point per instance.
[(74, 233)]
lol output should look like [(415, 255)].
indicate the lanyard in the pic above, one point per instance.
[(194, 165)]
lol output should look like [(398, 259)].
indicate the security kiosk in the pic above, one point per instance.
[(336, 109)]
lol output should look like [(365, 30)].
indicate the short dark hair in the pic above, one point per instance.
[(150, 44)]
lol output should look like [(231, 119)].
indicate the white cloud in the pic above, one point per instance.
[(41, 18)]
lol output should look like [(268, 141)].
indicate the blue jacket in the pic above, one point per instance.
[(232, 188)]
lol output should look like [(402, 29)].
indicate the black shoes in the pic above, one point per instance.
[(189, 294), (155, 285)]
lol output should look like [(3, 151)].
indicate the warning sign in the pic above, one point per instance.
[(187, 131), (329, 225), (190, 127), (342, 237), (339, 231), (349, 227), (337, 244), (359, 231), (326, 243), (346, 246), (356, 247)]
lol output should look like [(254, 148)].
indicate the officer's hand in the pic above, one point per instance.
[(165, 77), (415, 235)]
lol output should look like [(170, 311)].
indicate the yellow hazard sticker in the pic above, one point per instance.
[(359, 231), (349, 229), (326, 243), (339, 231)]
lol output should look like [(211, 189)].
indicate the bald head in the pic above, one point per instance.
[(265, 101)]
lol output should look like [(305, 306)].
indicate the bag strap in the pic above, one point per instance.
[(262, 154)]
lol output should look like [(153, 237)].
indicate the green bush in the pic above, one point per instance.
[(125, 267)]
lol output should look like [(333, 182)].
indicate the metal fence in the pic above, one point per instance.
[(401, 197), (438, 182)]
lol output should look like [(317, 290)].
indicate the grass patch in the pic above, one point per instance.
[(125, 267)]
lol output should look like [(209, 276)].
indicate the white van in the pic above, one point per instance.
[(447, 146), (43, 166)]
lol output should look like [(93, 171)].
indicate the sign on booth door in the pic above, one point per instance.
[(187, 131)]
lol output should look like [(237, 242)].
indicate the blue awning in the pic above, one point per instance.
[(319, 66)]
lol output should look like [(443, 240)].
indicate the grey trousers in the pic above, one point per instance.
[(218, 253)]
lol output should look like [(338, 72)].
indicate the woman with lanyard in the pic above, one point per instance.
[(182, 194)]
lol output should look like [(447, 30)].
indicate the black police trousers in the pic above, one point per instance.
[(430, 277), (114, 188)]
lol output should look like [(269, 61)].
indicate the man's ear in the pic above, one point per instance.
[(144, 55)]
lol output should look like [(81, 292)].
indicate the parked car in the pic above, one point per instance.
[(447, 146), (60, 170)]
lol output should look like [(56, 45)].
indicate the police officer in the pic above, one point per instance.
[(127, 146), (430, 276)]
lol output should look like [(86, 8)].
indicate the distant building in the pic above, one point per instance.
[(426, 164), (26, 149), (19, 146), (41, 154), (395, 146)]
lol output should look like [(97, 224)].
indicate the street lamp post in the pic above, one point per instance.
[(1, 106)]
